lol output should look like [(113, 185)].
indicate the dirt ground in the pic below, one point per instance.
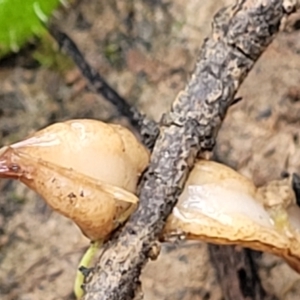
[(145, 49)]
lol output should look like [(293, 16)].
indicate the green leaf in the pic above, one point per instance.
[(20, 20)]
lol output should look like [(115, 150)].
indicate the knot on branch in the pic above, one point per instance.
[(201, 136)]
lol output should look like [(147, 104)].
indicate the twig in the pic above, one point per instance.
[(227, 253), (240, 35), (147, 128), (237, 274)]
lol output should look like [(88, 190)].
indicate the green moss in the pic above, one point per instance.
[(16, 198), (49, 56), (177, 26), (20, 20), (113, 52)]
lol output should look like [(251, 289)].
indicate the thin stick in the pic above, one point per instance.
[(85, 263), (146, 127), (240, 35), (237, 274)]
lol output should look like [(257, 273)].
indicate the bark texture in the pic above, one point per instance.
[(240, 35)]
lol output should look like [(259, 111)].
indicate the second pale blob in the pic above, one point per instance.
[(219, 205), (88, 171)]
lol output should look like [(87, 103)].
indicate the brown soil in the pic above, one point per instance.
[(145, 49)]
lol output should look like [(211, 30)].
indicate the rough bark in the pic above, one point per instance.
[(240, 34), (228, 262)]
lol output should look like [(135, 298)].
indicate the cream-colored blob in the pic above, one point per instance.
[(84, 169), (107, 152), (219, 205)]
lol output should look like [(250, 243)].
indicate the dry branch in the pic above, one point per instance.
[(240, 262), (240, 35), (242, 280)]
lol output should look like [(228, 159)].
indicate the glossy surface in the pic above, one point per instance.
[(84, 169), (219, 205)]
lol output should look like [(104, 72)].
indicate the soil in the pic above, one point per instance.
[(146, 50)]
